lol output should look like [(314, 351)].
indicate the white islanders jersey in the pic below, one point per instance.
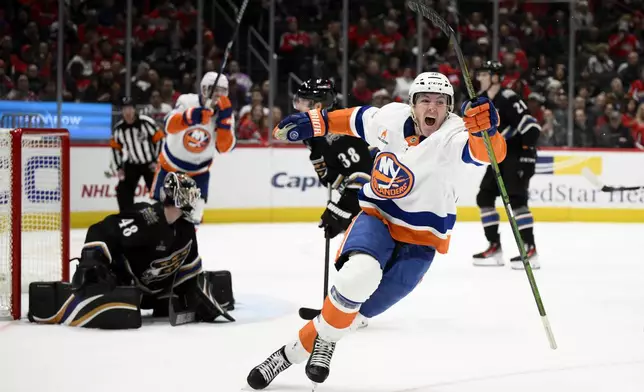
[(191, 149), (414, 180)]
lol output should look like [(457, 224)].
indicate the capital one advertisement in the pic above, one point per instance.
[(284, 177)]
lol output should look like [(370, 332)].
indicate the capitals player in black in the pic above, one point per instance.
[(152, 248), (521, 132), (342, 162)]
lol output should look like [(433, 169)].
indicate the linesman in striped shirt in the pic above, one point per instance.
[(136, 143)]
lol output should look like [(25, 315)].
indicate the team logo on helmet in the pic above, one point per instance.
[(390, 179), (196, 140)]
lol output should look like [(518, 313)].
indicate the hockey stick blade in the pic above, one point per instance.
[(308, 313), (593, 179), (422, 8), (181, 318)]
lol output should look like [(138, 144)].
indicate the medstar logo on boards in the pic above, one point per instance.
[(560, 183), (390, 179), (567, 164)]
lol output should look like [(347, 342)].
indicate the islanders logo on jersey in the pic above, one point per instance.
[(196, 140), (390, 179)]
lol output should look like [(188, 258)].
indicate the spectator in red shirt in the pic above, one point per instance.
[(476, 28), (360, 94), (393, 69), (253, 127), (637, 127), (359, 34), (293, 38), (389, 40), (292, 46), (623, 42), (636, 89)]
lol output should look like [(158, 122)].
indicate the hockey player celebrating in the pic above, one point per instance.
[(342, 162), (193, 133), (409, 207), (150, 247), (521, 132)]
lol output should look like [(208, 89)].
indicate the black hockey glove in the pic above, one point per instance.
[(527, 161), (337, 216), (92, 275), (326, 175)]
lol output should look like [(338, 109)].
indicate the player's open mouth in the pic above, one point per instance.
[(429, 121)]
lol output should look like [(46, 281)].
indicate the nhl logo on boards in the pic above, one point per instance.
[(390, 179)]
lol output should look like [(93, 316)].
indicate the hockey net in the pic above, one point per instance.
[(34, 212)]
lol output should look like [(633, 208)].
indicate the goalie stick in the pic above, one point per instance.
[(310, 313), (224, 61), (593, 179), (421, 7)]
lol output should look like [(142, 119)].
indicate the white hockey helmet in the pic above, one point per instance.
[(432, 82), (208, 83)]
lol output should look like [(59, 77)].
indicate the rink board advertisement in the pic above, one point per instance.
[(280, 185)]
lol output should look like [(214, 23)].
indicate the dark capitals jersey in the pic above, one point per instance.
[(146, 251), (517, 126), (343, 154)]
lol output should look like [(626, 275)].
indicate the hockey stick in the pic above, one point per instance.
[(593, 179), (224, 61), (178, 318), (420, 7), (310, 313)]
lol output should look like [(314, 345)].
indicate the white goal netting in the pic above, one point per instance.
[(31, 213)]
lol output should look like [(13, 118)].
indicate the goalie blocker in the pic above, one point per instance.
[(208, 296)]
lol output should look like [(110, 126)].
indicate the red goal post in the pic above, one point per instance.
[(34, 211)]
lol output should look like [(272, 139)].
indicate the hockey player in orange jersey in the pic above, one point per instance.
[(194, 132), (426, 151)]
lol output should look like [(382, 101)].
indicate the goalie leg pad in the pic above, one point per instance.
[(55, 303), (200, 296), (222, 288)]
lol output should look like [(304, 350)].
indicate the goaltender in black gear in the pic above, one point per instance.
[(341, 162), (134, 260)]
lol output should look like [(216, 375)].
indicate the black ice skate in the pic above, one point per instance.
[(319, 364), (491, 257), (533, 258), (264, 373)]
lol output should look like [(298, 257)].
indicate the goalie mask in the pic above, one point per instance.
[(180, 190)]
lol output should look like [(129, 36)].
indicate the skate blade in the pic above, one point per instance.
[(518, 265), (315, 386), (489, 262)]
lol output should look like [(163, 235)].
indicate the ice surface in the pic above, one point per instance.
[(464, 328)]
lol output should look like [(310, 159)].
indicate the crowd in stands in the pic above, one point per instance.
[(608, 105)]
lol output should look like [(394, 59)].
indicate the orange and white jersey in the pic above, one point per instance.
[(415, 180), (191, 149)]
